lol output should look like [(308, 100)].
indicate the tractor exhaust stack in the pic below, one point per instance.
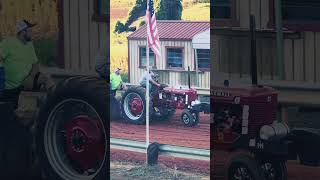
[(254, 76), (189, 82)]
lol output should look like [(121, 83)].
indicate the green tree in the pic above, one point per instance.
[(165, 10), (169, 9)]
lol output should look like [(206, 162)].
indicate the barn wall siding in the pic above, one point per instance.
[(43, 12), (232, 53), (167, 76), (83, 37)]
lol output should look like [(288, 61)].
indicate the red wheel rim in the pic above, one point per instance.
[(136, 106), (84, 141)]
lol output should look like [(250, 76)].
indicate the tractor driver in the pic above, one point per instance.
[(152, 83), (20, 67)]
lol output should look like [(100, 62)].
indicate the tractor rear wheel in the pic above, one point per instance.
[(115, 108), (133, 105), (15, 140), (72, 130), (244, 167)]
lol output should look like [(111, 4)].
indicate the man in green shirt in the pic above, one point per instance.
[(20, 63), (116, 81)]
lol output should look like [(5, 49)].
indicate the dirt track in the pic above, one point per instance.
[(173, 132)]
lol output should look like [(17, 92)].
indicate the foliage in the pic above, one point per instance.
[(125, 77), (120, 27), (142, 23), (165, 10), (169, 9)]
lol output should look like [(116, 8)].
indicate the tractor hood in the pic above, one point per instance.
[(180, 91), (241, 91)]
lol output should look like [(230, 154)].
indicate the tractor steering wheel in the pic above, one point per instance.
[(162, 86)]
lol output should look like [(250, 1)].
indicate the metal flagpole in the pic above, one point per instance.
[(147, 96)]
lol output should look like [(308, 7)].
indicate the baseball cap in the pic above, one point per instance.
[(23, 25), (118, 69)]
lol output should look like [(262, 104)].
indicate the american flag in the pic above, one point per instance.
[(152, 30)]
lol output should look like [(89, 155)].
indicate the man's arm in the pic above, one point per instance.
[(154, 82), (44, 77)]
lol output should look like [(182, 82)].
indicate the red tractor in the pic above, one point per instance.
[(245, 121), (163, 104)]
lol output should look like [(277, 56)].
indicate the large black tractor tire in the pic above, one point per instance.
[(139, 93), (115, 108), (84, 102), (15, 141), (244, 167), (167, 116), (274, 170)]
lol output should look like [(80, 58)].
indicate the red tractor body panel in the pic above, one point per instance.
[(181, 96), (192, 93), (262, 106)]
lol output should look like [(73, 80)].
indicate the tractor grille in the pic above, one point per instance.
[(260, 114)]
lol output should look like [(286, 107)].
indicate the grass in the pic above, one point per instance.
[(193, 10), (199, 12), (125, 170)]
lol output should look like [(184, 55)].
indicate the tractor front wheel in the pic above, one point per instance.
[(274, 170), (244, 167), (189, 118)]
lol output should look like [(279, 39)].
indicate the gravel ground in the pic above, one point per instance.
[(128, 171)]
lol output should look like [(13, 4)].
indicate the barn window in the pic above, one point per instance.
[(101, 10), (223, 12), (203, 56), (143, 57), (221, 9), (174, 57), (299, 14), (301, 11)]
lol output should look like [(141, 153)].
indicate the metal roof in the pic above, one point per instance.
[(173, 30)]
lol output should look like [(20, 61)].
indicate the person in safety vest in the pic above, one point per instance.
[(116, 81), (19, 65)]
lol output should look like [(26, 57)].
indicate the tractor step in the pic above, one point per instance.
[(28, 105)]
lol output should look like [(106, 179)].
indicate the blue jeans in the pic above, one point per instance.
[(153, 88)]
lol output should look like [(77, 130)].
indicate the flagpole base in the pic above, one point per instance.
[(153, 154)]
